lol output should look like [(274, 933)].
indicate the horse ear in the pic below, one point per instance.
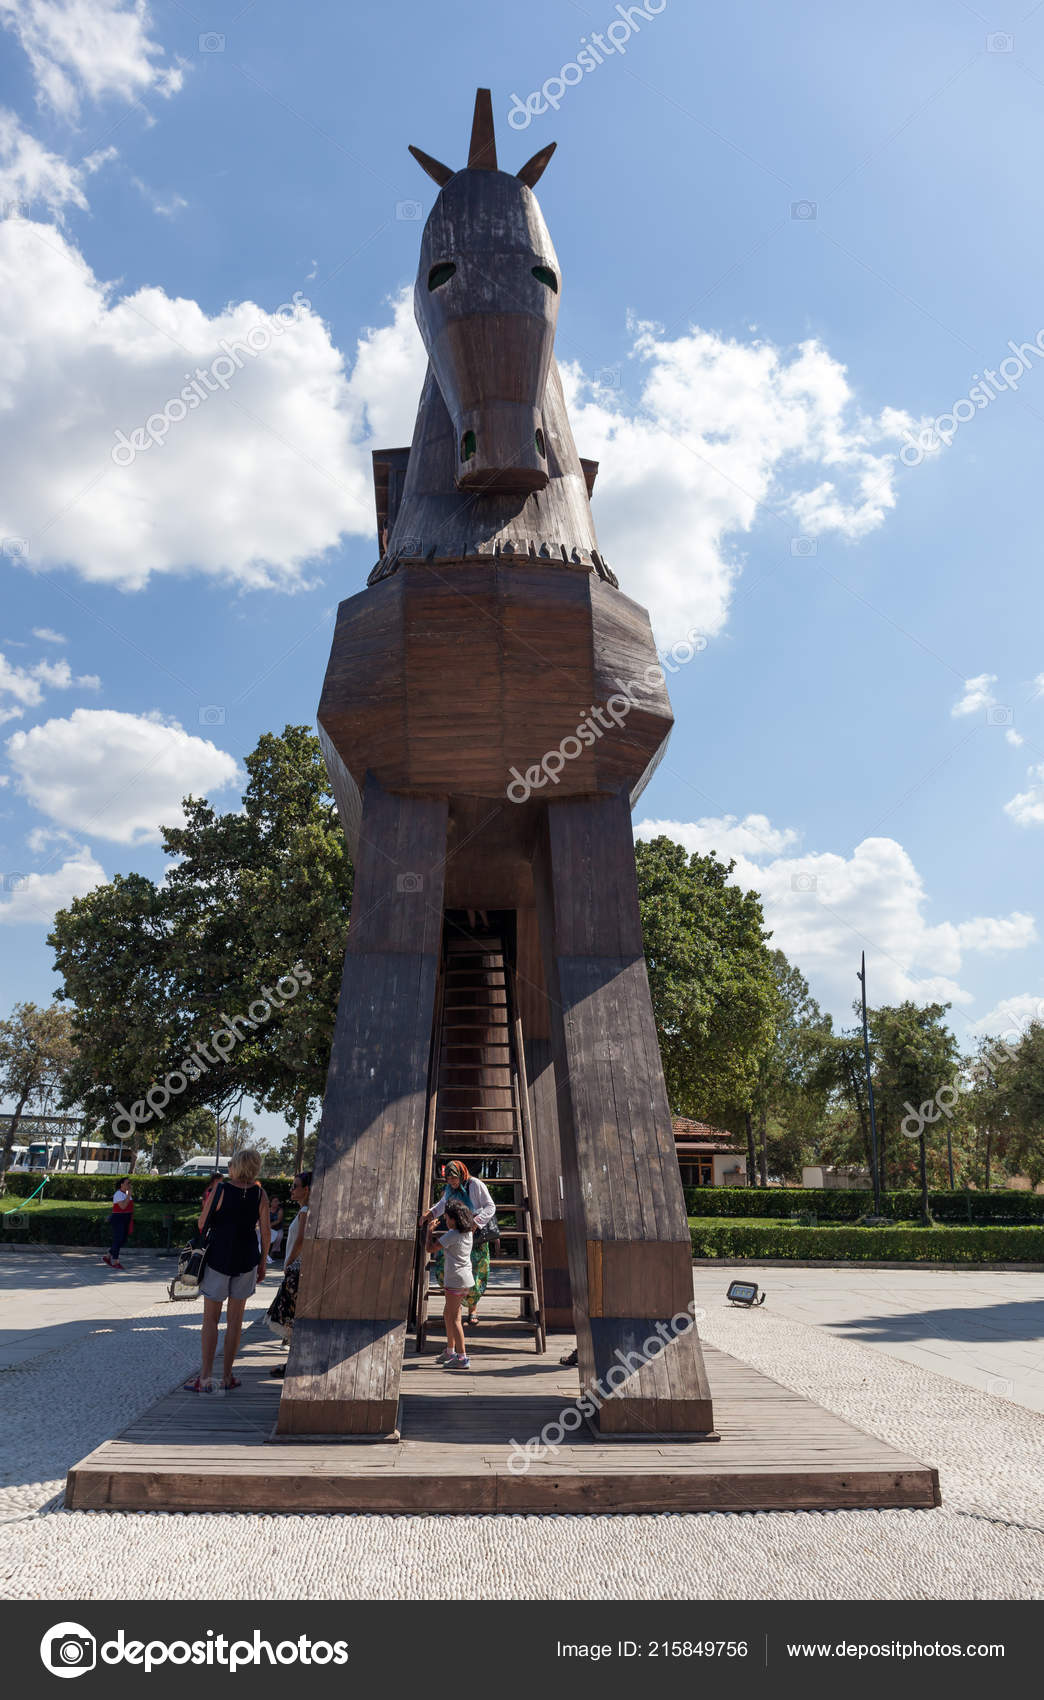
[(534, 168), (434, 167)]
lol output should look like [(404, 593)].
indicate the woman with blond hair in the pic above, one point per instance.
[(235, 1223)]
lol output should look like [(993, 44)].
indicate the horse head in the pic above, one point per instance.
[(486, 301)]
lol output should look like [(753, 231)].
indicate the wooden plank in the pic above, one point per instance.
[(778, 1450)]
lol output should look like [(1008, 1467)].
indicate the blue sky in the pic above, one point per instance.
[(791, 238)]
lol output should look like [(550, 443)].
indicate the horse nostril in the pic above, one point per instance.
[(539, 439), (467, 445)]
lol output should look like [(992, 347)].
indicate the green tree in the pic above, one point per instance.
[(256, 901), (915, 1057), (1018, 1102), (792, 1085), (259, 892), (710, 976), (37, 1053)]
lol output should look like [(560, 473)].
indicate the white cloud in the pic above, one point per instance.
[(31, 177), (166, 205), (991, 933), (26, 685), (1026, 808), (978, 695), (1012, 1016), (1014, 738), (113, 775), (824, 909), (92, 48), (752, 837), (36, 897), (723, 430), (250, 485), (45, 635), (42, 836)]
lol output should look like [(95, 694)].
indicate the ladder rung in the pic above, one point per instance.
[(497, 1292), (476, 1044), (469, 1066)]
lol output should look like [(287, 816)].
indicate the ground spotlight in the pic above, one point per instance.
[(744, 1293)]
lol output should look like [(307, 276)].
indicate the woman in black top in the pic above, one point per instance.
[(235, 1218)]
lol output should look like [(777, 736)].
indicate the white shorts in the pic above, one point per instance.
[(216, 1286)]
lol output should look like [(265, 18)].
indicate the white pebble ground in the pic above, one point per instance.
[(79, 1357)]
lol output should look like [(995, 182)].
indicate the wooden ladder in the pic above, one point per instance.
[(477, 1054)]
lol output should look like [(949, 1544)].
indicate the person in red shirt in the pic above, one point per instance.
[(121, 1221)]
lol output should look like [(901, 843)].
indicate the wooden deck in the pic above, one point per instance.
[(777, 1451)]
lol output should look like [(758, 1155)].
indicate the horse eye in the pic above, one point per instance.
[(544, 274), (440, 274)]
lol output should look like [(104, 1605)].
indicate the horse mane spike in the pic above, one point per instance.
[(434, 167), (533, 169), (482, 154)]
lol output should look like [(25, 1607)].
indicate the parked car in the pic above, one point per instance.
[(201, 1168)]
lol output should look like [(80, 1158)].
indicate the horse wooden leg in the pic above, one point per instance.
[(630, 1258), (357, 1270)]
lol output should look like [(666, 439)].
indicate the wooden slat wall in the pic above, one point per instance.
[(346, 1354), (628, 1240)]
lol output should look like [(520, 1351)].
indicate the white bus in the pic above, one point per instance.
[(59, 1157)]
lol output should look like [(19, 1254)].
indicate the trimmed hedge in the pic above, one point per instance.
[(147, 1189), (828, 1205), (904, 1243), (88, 1224)]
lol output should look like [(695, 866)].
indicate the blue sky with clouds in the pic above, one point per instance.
[(797, 243)]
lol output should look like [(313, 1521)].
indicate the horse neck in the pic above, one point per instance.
[(437, 521)]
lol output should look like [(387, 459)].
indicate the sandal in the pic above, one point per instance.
[(280, 1371), (198, 1386), (233, 1381)]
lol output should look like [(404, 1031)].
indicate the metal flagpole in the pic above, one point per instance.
[(875, 1174)]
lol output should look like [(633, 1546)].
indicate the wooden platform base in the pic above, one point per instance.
[(461, 1437)]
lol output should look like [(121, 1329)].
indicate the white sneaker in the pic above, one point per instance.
[(445, 1357)]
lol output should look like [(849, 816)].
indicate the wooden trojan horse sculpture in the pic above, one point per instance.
[(492, 635)]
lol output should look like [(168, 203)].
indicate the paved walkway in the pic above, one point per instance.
[(983, 1327), (88, 1355)]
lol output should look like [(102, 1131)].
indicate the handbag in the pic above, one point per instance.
[(489, 1235)]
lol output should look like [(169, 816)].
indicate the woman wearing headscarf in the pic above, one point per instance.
[(465, 1188)]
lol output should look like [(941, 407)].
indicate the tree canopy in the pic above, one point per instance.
[(244, 937)]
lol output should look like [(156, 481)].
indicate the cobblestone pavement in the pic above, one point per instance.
[(101, 1353)]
